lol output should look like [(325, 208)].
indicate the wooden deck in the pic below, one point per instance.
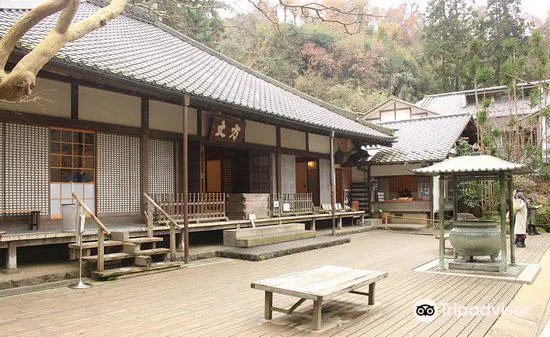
[(214, 297)]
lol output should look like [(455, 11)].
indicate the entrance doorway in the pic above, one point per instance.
[(227, 170), (307, 177)]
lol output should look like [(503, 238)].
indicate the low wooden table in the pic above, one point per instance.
[(318, 284)]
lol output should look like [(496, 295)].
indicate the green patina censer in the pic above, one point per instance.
[(475, 238)]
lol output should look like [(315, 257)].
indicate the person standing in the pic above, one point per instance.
[(520, 209)]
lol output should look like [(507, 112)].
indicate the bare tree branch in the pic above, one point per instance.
[(20, 81), (29, 20)]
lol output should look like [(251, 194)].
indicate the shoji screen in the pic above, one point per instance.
[(161, 166), (118, 174), (26, 177)]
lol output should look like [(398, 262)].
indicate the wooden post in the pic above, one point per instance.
[(455, 200), (11, 257), (144, 167), (332, 184), (268, 309), (185, 178), (278, 167), (512, 222), (441, 222), (369, 191), (100, 250), (432, 200), (504, 255), (371, 293), (317, 305), (172, 242)]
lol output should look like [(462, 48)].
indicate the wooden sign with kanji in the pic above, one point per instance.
[(227, 130)]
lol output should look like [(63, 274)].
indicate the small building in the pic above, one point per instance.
[(395, 109), (394, 188), (525, 111)]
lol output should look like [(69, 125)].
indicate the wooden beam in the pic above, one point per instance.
[(74, 101), (512, 221), (144, 151), (185, 177), (332, 185), (504, 251), (441, 214)]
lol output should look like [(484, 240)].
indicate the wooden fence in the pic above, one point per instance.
[(283, 204), (202, 206)]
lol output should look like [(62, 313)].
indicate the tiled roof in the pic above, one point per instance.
[(422, 139), (480, 164), (153, 54), (455, 102)]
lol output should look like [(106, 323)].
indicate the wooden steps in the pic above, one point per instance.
[(93, 244), (123, 255), (132, 270)]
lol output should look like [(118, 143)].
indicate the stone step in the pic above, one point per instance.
[(133, 270), (272, 238), (94, 244), (121, 256), (262, 230), (145, 239)]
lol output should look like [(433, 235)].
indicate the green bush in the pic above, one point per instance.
[(543, 215)]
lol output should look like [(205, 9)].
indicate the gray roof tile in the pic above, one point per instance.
[(154, 54), (422, 139)]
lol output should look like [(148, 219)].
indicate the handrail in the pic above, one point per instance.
[(162, 211), (97, 221)]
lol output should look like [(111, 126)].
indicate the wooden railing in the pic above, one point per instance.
[(101, 232), (151, 204), (283, 204), (202, 206)]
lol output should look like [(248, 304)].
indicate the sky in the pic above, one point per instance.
[(535, 8)]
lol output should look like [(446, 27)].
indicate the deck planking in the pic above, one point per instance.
[(215, 299)]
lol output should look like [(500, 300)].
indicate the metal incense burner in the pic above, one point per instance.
[(475, 238)]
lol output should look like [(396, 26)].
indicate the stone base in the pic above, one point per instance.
[(476, 266), (10, 271)]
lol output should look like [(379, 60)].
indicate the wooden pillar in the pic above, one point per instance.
[(504, 255), (144, 151), (432, 200), (268, 305), (11, 257), (278, 167), (455, 200), (202, 153), (441, 222), (74, 101), (332, 184), (185, 178), (369, 191), (512, 222)]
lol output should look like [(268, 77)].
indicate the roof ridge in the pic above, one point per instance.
[(495, 87), (420, 119)]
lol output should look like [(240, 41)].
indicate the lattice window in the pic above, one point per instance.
[(26, 167), (161, 166), (118, 174)]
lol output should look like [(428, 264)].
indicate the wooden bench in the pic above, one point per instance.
[(34, 216), (318, 284)]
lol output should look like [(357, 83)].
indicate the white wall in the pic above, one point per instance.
[(169, 117), (288, 173), (324, 181), (259, 133), (108, 107), (357, 176), (292, 139), (53, 98), (319, 143)]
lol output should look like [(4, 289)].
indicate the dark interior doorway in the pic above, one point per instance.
[(307, 177), (227, 170)]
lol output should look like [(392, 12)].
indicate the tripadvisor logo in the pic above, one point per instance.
[(425, 310)]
